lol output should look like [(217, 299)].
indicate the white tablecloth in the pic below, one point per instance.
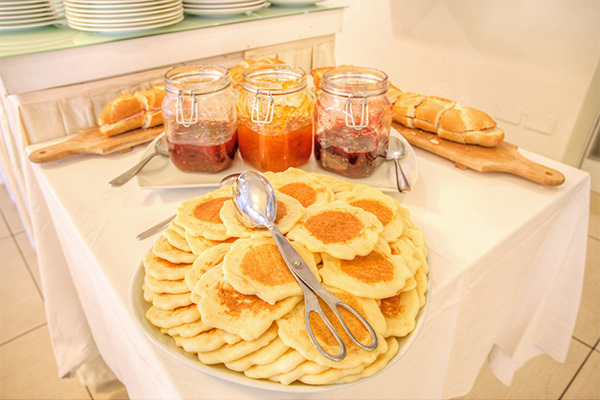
[(507, 258)]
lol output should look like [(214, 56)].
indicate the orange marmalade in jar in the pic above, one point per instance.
[(275, 117), (352, 121), (200, 118)]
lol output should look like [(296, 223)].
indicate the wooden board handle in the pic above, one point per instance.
[(525, 168), (52, 153)]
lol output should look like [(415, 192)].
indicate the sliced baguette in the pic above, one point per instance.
[(448, 119)]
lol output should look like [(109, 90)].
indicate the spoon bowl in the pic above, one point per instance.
[(396, 151), (160, 147), (254, 200)]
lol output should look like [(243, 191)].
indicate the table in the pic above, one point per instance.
[(507, 258)]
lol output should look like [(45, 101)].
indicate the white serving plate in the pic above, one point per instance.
[(139, 307), (119, 15), (117, 6), (204, 12), (124, 22), (188, 4), (124, 29), (294, 2), (160, 173)]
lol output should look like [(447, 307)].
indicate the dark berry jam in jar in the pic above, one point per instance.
[(207, 158), (352, 121), (200, 118)]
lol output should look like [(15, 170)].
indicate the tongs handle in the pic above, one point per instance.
[(312, 288)]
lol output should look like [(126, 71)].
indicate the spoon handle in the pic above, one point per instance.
[(401, 181), (130, 173), (155, 228)]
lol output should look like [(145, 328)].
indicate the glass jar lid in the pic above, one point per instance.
[(197, 79), (351, 81), (273, 78)]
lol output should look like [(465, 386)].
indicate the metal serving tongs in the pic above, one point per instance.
[(255, 202)]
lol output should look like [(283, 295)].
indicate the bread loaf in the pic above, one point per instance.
[(128, 111), (447, 118), (124, 113), (152, 100)]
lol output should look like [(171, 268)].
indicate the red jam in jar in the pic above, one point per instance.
[(209, 158), (200, 118), (352, 121)]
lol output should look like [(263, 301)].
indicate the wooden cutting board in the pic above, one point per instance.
[(503, 158), (91, 141)]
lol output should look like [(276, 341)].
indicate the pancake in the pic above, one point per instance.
[(293, 332), (205, 261), (334, 183), (205, 341), (255, 266), (330, 375), (301, 186), (338, 229), (262, 356), (176, 240), (165, 250), (174, 226), (171, 318), (422, 284), (406, 249), (231, 352), (289, 211), (378, 274), (198, 244), (165, 286), (248, 316), (200, 216), (169, 301), (380, 363), (284, 363), (304, 368), (188, 329), (162, 269), (400, 313), (385, 208)]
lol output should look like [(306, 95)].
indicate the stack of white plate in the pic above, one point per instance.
[(27, 14), (122, 16), (222, 8)]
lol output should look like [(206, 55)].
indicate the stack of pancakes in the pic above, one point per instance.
[(224, 292)]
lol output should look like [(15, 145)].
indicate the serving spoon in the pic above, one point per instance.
[(160, 147), (396, 151), (255, 202)]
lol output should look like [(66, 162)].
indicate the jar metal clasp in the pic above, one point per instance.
[(256, 115), (179, 116), (364, 113)]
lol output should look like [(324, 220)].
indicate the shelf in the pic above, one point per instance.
[(58, 55)]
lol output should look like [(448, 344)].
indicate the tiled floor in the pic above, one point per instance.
[(28, 371)]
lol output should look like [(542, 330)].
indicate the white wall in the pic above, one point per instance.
[(527, 63)]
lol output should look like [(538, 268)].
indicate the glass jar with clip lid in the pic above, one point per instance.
[(352, 119), (275, 117), (200, 118)]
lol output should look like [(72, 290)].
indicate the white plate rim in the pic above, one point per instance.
[(222, 12), (116, 7), (127, 29), (219, 7), (27, 26), (139, 306), (101, 16), (126, 22), (162, 165)]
